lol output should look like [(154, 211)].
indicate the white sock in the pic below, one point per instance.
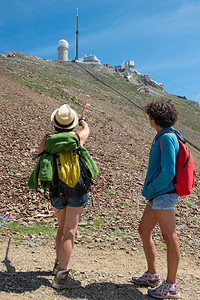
[(152, 275)]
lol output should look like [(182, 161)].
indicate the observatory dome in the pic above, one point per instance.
[(63, 43)]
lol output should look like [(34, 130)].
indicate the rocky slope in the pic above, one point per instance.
[(120, 140)]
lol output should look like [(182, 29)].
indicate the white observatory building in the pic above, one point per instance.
[(63, 49)]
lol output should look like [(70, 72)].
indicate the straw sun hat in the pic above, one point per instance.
[(64, 117)]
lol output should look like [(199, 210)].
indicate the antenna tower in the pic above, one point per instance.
[(76, 48)]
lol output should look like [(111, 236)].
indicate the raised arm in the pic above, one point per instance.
[(41, 147), (84, 133)]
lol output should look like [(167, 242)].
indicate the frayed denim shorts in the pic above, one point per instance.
[(166, 201), (61, 203)]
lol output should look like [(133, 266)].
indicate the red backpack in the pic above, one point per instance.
[(185, 170)]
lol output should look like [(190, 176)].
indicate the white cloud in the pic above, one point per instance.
[(175, 23), (182, 20), (172, 64), (44, 51)]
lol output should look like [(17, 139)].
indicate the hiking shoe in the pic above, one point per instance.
[(62, 280), (55, 268), (147, 279), (165, 291)]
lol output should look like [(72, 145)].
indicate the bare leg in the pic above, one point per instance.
[(68, 222), (60, 214), (167, 222), (147, 224)]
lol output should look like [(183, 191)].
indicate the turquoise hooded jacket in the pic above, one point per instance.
[(162, 164)]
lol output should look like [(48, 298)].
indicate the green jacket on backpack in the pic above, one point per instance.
[(55, 143)]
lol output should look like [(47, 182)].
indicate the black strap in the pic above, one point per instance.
[(77, 136), (40, 154), (82, 162), (55, 175), (186, 160)]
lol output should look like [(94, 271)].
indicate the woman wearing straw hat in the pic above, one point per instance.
[(68, 212)]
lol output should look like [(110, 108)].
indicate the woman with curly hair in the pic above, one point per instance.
[(161, 198)]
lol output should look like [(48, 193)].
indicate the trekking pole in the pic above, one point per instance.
[(84, 108)]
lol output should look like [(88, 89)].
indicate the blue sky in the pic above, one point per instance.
[(162, 37)]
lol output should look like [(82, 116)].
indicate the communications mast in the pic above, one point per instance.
[(76, 47)]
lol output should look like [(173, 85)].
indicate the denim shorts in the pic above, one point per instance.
[(61, 203), (166, 201)]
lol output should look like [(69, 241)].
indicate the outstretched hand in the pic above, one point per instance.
[(81, 121)]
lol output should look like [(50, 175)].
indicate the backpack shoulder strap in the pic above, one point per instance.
[(55, 169), (164, 134), (77, 136)]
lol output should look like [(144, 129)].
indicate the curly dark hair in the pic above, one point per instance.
[(162, 112)]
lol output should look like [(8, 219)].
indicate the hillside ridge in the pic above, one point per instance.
[(120, 140)]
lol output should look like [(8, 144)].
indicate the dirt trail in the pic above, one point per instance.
[(25, 273)]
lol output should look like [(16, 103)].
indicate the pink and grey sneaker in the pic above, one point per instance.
[(147, 279), (165, 291)]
